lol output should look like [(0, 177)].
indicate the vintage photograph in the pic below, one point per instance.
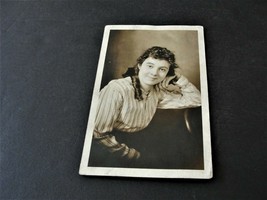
[(149, 115)]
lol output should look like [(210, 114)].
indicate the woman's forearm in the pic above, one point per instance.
[(110, 143), (185, 96)]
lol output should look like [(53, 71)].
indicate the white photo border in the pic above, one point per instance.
[(207, 172)]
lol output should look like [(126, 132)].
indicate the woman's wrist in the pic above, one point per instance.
[(182, 81)]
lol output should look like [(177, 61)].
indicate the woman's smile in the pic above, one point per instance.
[(152, 71)]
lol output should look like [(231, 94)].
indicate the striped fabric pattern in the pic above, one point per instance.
[(117, 108)]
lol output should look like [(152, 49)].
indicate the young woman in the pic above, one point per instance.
[(128, 104)]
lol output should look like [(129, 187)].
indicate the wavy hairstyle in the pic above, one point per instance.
[(154, 52)]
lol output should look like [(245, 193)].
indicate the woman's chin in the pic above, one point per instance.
[(152, 81)]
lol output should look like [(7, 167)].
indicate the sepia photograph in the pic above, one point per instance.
[(149, 115)]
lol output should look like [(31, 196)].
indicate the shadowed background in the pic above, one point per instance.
[(124, 47)]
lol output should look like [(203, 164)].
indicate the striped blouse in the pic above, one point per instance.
[(118, 109)]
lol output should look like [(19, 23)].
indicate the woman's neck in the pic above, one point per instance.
[(146, 88)]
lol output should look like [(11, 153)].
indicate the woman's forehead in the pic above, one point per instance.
[(158, 62)]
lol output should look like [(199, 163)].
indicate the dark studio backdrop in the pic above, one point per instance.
[(49, 57)]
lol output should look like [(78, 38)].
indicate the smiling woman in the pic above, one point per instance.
[(128, 105), (146, 118), (152, 71)]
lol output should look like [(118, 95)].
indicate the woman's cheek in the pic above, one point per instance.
[(163, 75)]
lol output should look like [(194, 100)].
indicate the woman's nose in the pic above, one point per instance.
[(154, 72)]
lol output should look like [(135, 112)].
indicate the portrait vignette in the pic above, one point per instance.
[(121, 46)]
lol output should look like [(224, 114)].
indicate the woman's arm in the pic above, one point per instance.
[(108, 111), (110, 143), (181, 94)]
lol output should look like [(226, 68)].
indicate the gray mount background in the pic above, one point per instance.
[(49, 56)]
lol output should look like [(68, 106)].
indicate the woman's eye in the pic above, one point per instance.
[(163, 70), (150, 66)]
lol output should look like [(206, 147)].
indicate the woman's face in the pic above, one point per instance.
[(152, 71)]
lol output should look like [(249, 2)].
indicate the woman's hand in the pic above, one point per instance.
[(132, 154), (167, 86)]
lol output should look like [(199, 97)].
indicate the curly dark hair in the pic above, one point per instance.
[(154, 52)]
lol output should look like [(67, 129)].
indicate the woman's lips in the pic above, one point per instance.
[(153, 78)]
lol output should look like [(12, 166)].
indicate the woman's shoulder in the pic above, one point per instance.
[(120, 81), (121, 84)]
